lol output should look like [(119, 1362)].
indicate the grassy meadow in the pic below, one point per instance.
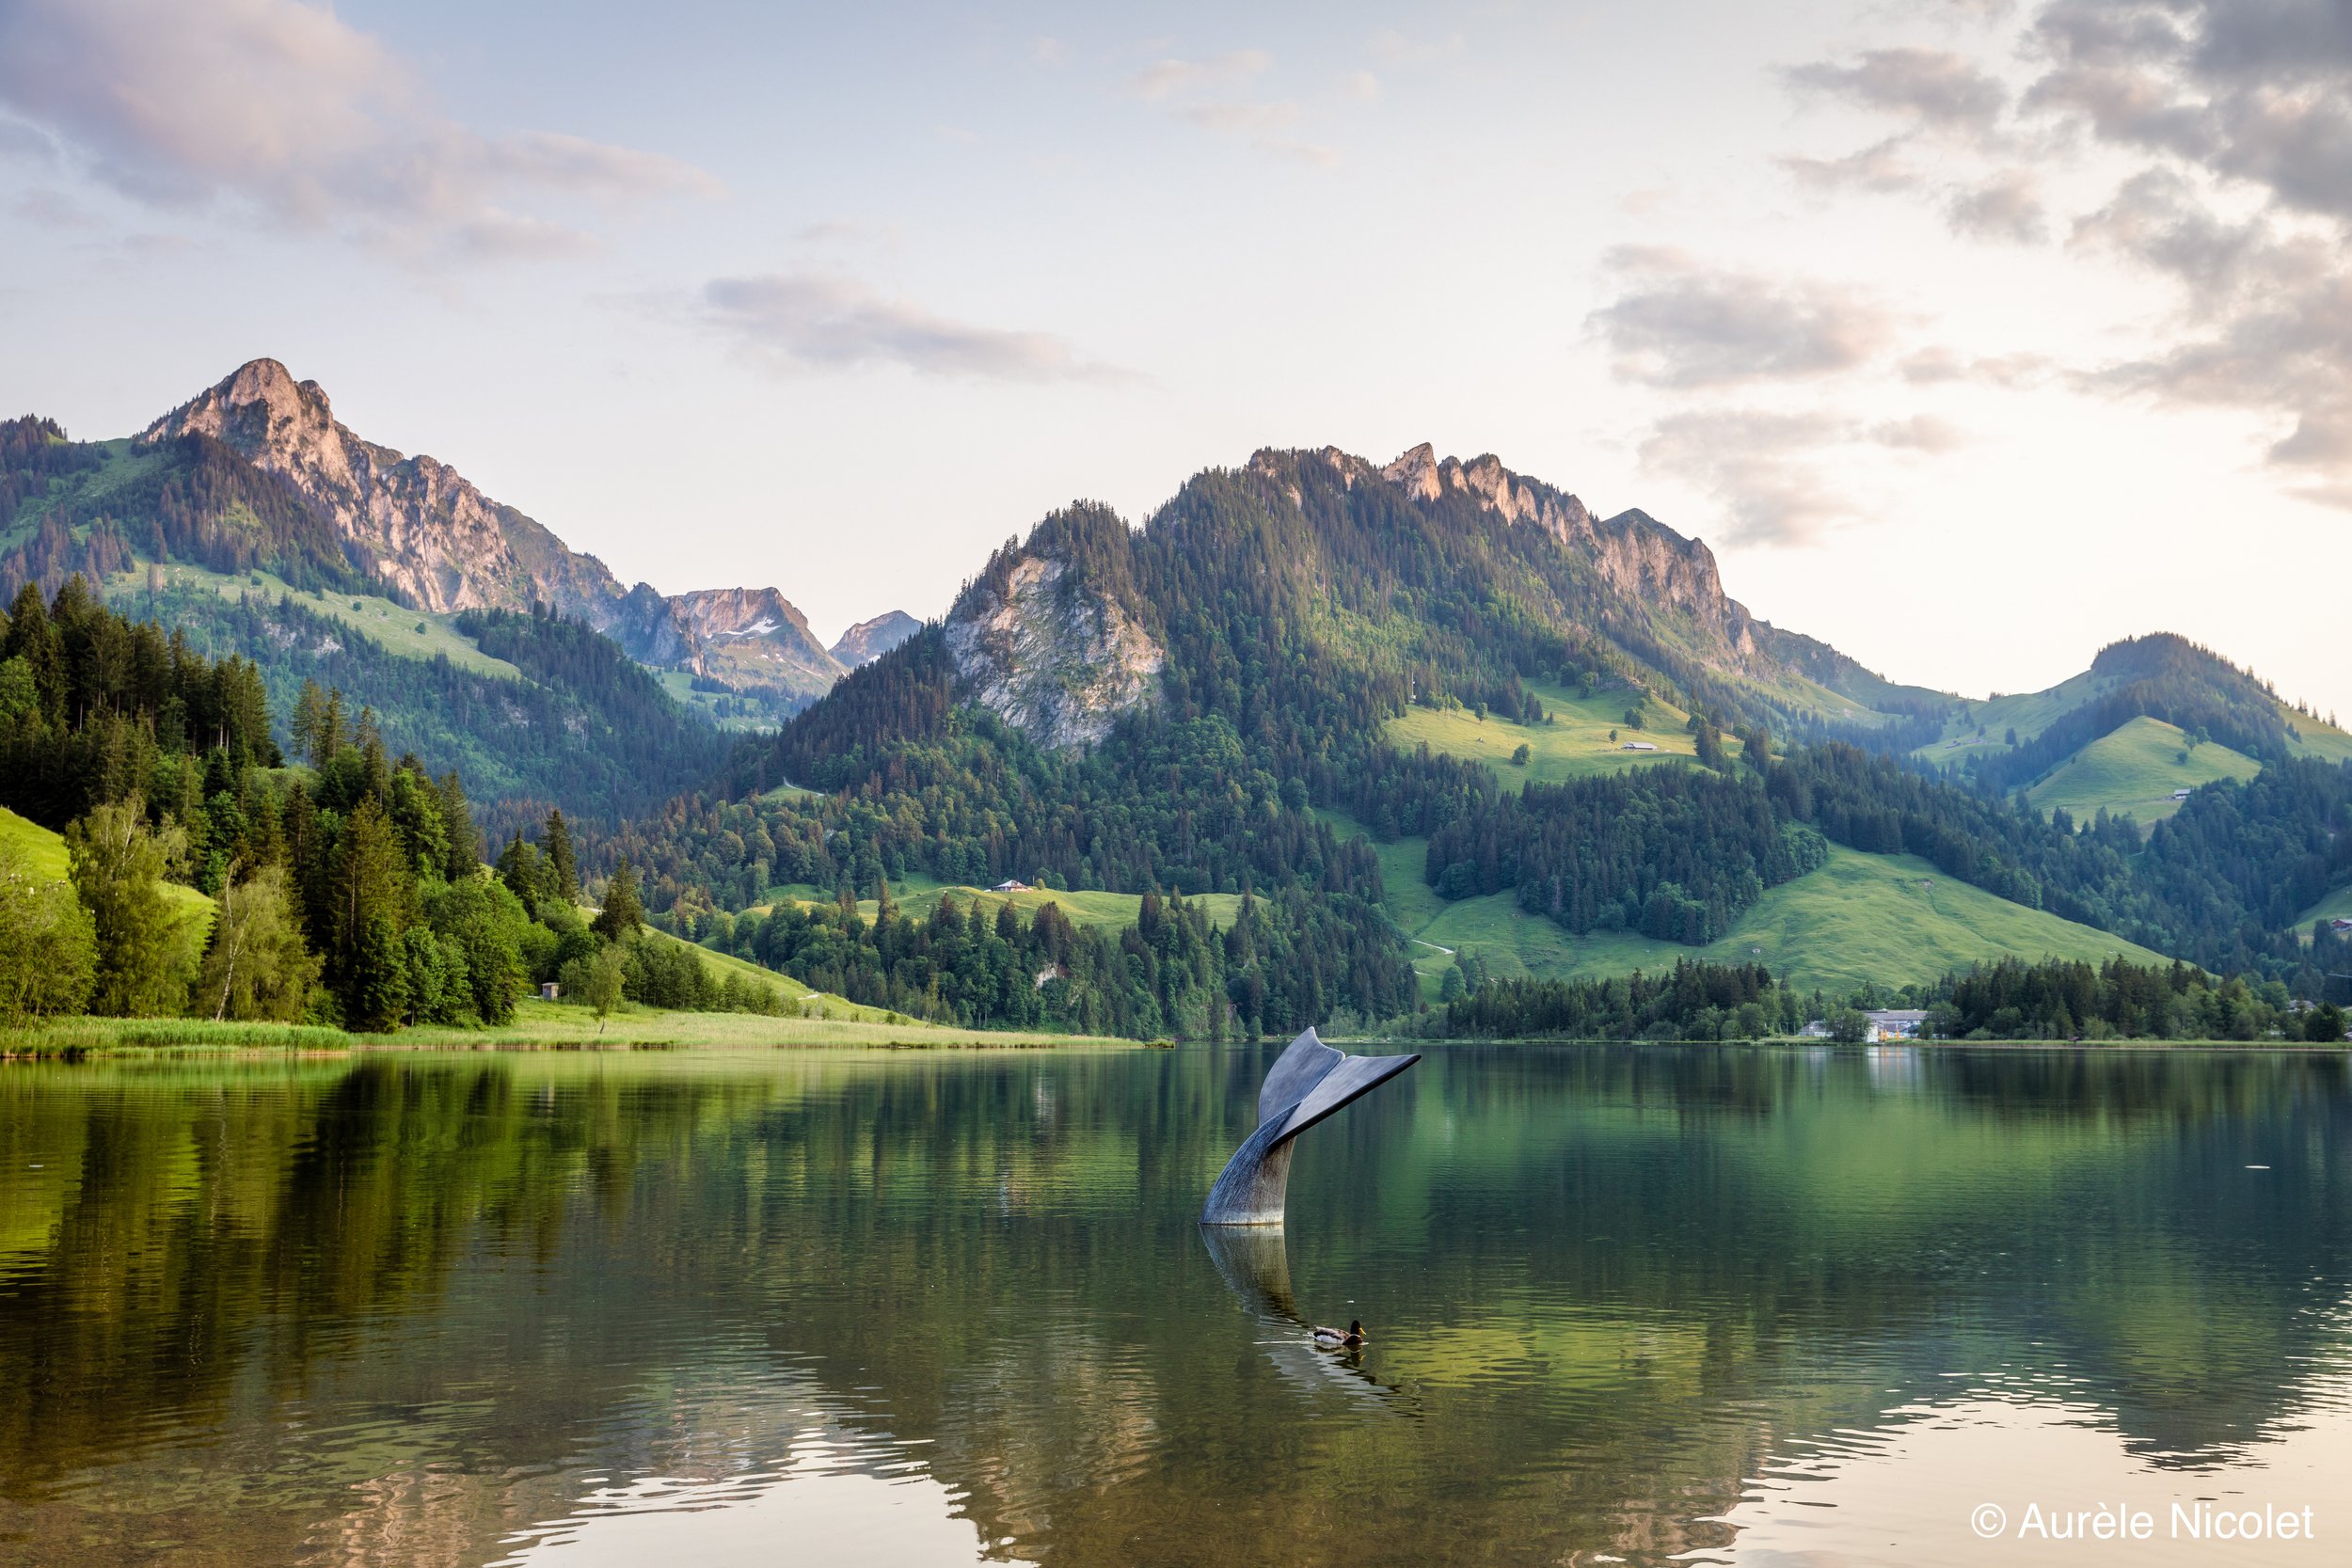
[(410, 633), (917, 896), (44, 851), (538, 1025), (1572, 743), (2135, 769), (1892, 919)]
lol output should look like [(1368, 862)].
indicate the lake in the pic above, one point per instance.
[(1635, 1305)]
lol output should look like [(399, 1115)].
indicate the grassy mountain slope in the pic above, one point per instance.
[(1573, 741), (2135, 769), (44, 852), (1888, 919), (569, 719), (2336, 906), (919, 895)]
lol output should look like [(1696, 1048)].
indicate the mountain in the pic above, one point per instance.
[(2098, 739), (868, 640), (256, 472)]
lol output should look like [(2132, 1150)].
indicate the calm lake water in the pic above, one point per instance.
[(1758, 1306)]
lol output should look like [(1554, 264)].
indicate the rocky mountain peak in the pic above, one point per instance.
[(1054, 655), (868, 640)]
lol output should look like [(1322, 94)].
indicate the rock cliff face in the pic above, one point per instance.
[(414, 522), (1054, 656), (421, 525), (869, 639)]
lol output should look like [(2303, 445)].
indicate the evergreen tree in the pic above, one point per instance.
[(622, 913), (563, 869)]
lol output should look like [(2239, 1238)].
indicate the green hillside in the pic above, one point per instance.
[(2136, 769), (409, 633), (1987, 723), (918, 895), (1573, 742), (44, 851), (2336, 906), (794, 992), (2313, 738), (1893, 919)]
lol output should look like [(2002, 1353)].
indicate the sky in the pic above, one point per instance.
[(1970, 336)]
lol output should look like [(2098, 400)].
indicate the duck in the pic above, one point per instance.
[(1351, 1337)]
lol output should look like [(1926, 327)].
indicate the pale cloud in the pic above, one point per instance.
[(1941, 364), (1779, 475), (1684, 326), (53, 209), (2007, 206), (2239, 116), (1880, 168), (1206, 94), (818, 321), (1763, 467), (1171, 79), (1938, 90), (283, 108)]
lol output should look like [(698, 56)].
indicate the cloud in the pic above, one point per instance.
[(1879, 167), (2237, 115), (789, 321), (2008, 206), (1936, 88), (284, 109), (1171, 78), (1771, 469), (1683, 325), (1760, 465), (1921, 433), (1938, 365), (53, 209), (1204, 93)]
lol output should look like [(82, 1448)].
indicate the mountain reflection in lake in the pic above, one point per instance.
[(1761, 1306)]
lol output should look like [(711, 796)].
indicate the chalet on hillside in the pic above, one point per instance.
[(1639, 746), (1012, 885)]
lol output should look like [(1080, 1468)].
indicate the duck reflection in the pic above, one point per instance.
[(1256, 1267)]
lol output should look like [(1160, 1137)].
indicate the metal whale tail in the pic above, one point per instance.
[(1308, 1081)]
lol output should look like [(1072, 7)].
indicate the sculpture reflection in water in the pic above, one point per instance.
[(1256, 1267), (1242, 1222), (1308, 1081)]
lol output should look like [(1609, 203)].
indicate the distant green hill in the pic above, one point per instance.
[(2136, 769), (1892, 919)]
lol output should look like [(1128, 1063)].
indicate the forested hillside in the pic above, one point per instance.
[(577, 723), (1161, 710)]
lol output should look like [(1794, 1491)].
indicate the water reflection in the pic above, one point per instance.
[(1638, 1304), (1254, 1262)]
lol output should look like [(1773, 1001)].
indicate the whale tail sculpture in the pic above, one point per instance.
[(1310, 1081)]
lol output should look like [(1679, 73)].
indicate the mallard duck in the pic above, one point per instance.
[(1353, 1336)]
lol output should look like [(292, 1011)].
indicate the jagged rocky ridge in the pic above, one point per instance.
[(1054, 640), (426, 532)]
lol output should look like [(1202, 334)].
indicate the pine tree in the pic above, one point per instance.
[(622, 913), (563, 870)]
